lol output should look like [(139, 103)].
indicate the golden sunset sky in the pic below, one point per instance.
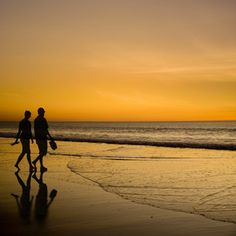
[(118, 60)]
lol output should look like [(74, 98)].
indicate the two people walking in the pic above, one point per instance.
[(41, 136)]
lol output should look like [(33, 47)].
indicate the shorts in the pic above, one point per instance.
[(42, 146), (25, 145)]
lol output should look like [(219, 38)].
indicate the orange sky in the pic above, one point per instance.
[(140, 60)]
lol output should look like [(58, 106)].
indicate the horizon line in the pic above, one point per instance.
[(128, 121)]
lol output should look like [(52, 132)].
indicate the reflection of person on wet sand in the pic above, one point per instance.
[(41, 203), (25, 203)]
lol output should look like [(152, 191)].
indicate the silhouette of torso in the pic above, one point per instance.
[(40, 128), (25, 127)]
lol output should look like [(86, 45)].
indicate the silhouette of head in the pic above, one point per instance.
[(41, 111), (27, 114)]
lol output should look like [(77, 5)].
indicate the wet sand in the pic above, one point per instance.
[(82, 207)]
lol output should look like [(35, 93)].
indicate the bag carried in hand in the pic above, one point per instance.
[(53, 145)]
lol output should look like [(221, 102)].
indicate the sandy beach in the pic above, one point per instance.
[(139, 97), (83, 206)]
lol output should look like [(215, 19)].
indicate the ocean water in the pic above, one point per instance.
[(210, 135)]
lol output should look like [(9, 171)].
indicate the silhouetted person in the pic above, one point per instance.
[(41, 135), (25, 134), (25, 203), (41, 203)]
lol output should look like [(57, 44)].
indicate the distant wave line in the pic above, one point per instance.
[(214, 146)]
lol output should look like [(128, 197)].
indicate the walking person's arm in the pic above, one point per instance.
[(49, 135)]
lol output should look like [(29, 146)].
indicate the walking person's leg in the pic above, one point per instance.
[(31, 167), (36, 160), (27, 150), (19, 159), (21, 154), (42, 146), (40, 154)]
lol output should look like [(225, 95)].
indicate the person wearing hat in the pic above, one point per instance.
[(24, 134), (41, 135)]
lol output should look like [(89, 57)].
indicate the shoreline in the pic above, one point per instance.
[(83, 207)]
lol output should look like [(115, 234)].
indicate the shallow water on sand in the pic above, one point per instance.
[(196, 181)]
